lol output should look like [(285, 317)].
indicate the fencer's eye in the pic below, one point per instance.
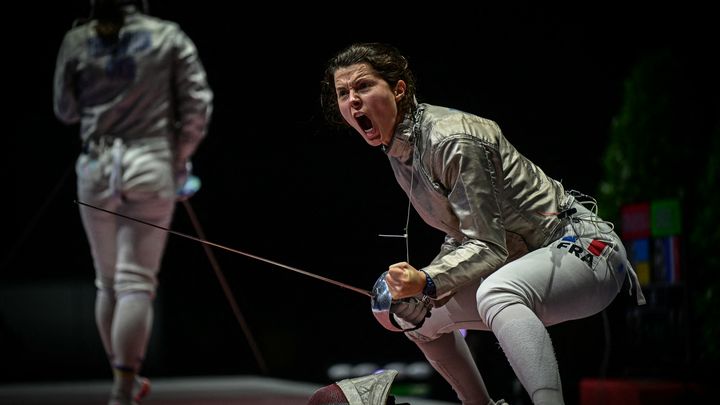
[(341, 93), (363, 85)]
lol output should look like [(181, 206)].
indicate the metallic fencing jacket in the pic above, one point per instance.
[(150, 84), (464, 178)]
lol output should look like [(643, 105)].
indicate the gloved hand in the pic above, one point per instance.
[(412, 310), (187, 184)]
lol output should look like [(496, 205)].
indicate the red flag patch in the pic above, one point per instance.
[(596, 247)]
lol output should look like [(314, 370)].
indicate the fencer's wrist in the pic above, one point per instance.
[(430, 290)]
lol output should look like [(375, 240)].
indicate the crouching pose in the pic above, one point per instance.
[(521, 252)]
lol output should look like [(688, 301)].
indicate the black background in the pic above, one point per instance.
[(279, 183)]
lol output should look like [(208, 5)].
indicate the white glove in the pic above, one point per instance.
[(187, 184)]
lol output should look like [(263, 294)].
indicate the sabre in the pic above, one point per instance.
[(205, 242)]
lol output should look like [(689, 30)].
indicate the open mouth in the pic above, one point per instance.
[(364, 123)]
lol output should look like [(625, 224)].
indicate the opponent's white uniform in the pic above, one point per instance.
[(143, 105)]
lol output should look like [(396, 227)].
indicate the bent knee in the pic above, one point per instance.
[(491, 299)]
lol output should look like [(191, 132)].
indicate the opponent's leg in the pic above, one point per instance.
[(140, 251), (104, 312), (131, 332), (100, 229)]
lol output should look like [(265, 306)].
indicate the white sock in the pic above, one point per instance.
[(131, 332), (104, 310)]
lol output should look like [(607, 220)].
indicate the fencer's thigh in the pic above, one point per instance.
[(101, 231), (458, 313), (562, 281), (140, 247)]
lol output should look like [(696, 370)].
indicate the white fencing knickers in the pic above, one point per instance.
[(572, 277)]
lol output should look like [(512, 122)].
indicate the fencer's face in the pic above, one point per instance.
[(367, 103)]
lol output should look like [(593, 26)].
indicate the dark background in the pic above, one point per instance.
[(279, 183)]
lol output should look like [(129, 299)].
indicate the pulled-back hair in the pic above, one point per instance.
[(385, 60)]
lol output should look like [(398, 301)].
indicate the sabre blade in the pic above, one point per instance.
[(219, 246)]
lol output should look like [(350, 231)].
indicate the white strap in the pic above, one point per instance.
[(118, 149)]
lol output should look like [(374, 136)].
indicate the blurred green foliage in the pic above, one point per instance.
[(665, 144)]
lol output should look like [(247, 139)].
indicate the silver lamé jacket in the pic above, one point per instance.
[(464, 178), (150, 85)]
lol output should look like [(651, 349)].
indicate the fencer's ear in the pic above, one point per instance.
[(399, 89)]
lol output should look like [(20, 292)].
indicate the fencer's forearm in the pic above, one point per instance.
[(195, 99), (471, 261)]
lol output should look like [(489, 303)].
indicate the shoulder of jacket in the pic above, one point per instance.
[(157, 22), (444, 122), (437, 113)]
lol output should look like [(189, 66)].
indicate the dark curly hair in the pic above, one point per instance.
[(385, 60), (110, 15)]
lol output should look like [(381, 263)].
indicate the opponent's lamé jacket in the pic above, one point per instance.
[(464, 178), (150, 84)]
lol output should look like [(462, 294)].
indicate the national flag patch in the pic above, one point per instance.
[(596, 247), (587, 254)]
